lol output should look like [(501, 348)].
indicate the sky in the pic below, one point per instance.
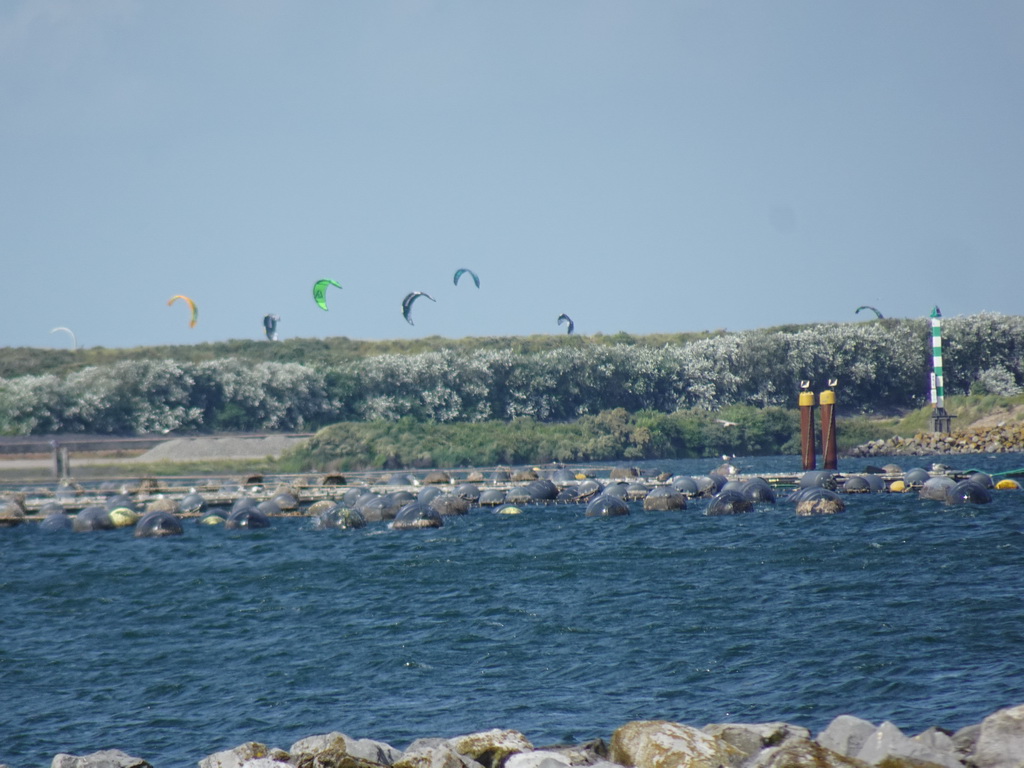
[(642, 166)]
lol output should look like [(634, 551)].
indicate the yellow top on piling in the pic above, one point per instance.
[(828, 397), (806, 398)]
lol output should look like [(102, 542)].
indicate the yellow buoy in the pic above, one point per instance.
[(122, 517), (1007, 484), (898, 486)]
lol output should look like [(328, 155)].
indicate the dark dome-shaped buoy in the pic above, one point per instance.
[(11, 514), (820, 501), (936, 488), (492, 497), (417, 515), (449, 504), (685, 484), (158, 523), (728, 503), (856, 484), (968, 492), (607, 506), (56, 521), (758, 490), (915, 477), (820, 478), (427, 494), (664, 498), (93, 518), (468, 491), (192, 504), (339, 517), (248, 518)]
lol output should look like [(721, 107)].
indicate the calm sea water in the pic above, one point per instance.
[(561, 626)]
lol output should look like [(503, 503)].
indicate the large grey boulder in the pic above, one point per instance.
[(492, 748), (434, 753), (751, 738), (235, 758), (336, 750), (846, 735), (965, 740), (888, 742), (539, 758), (803, 754), (107, 758), (591, 753), (664, 744), (937, 739), (1001, 740)]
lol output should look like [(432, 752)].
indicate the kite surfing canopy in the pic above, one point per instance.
[(69, 332), (877, 313), (191, 304), (270, 326), (320, 292), (564, 318), (460, 272), (407, 304)]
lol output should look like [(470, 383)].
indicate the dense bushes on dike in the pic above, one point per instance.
[(610, 435), (671, 388)]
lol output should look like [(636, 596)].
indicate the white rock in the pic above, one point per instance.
[(1001, 741), (803, 754), (751, 738), (890, 741), (846, 735), (539, 758), (107, 758), (235, 758), (663, 744), (434, 753)]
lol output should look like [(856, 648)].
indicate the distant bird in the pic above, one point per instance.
[(725, 423)]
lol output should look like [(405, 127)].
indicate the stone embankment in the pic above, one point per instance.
[(1004, 438), (848, 742)]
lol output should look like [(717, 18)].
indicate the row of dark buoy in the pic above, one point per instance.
[(429, 505)]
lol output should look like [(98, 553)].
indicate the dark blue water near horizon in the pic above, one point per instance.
[(561, 626)]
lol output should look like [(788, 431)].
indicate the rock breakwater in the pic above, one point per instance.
[(1003, 438), (847, 742)]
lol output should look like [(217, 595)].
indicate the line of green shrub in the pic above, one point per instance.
[(608, 436)]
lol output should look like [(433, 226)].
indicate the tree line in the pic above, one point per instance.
[(880, 365)]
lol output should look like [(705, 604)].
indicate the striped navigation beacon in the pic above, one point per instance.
[(941, 420)]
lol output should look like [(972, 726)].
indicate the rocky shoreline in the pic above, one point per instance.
[(847, 742), (1003, 438)]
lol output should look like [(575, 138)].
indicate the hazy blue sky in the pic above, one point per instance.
[(642, 166)]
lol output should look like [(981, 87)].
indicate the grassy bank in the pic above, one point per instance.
[(614, 435), (609, 436)]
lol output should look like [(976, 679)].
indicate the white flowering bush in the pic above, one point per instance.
[(996, 381), (32, 405), (878, 364), (973, 344)]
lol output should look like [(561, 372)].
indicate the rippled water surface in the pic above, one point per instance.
[(558, 625)]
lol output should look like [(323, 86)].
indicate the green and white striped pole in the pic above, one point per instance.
[(941, 420), (938, 392)]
